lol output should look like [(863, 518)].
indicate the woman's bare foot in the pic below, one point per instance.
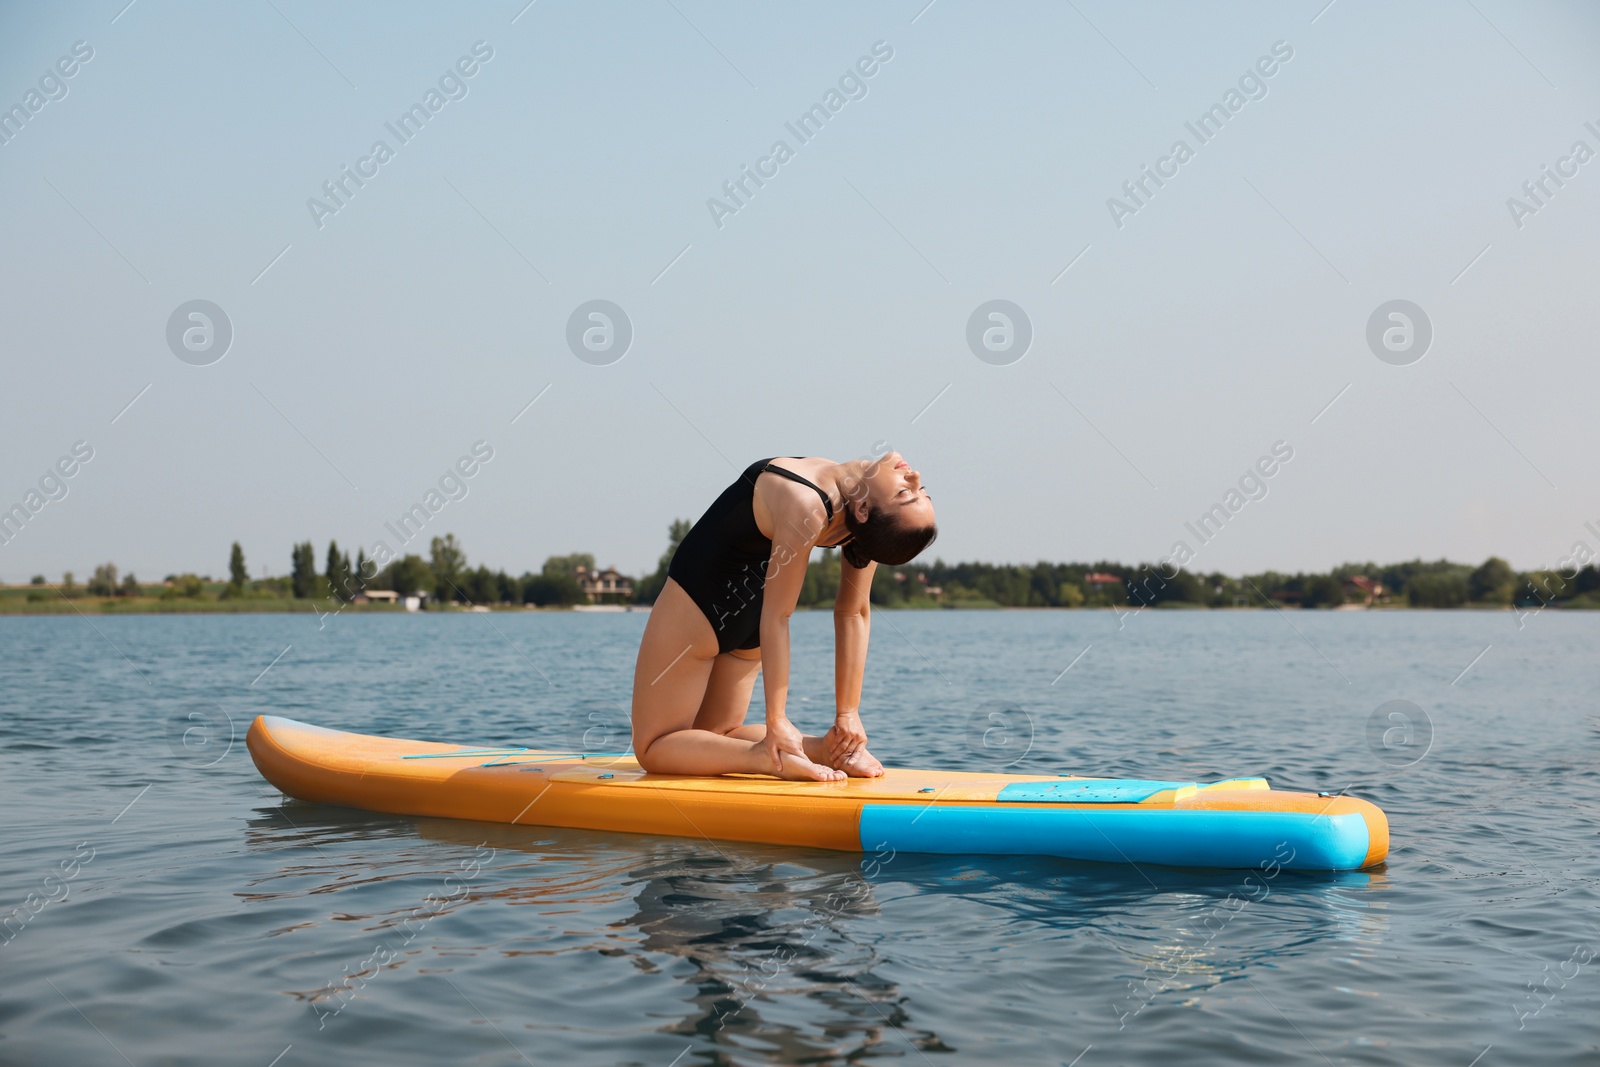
[(799, 769), (861, 765)]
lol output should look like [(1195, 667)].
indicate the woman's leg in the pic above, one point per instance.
[(727, 697), (672, 680), (727, 700)]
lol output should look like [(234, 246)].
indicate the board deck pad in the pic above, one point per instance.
[(1091, 791)]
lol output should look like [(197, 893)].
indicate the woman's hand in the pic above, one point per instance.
[(782, 737), (845, 738)]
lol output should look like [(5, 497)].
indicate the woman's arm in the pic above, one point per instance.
[(786, 574), (852, 625)]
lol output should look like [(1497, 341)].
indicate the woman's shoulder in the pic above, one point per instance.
[(803, 465), (792, 499)]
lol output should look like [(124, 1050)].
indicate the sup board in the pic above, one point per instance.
[(1238, 823)]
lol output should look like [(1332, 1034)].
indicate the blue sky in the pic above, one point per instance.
[(830, 312)]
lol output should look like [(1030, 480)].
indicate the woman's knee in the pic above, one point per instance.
[(648, 761)]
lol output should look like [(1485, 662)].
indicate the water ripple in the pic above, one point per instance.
[(211, 908)]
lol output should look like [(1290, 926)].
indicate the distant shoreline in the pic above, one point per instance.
[(444, 581), (104, 606)]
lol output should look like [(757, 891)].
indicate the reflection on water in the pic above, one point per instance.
[(313, 935), (752, 925), (747, 929)]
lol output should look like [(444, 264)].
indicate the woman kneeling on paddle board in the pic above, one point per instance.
[(723, 616)]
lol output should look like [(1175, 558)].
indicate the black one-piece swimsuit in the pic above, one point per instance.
[(722, 562)]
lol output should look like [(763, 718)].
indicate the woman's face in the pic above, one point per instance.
[(894, 487)]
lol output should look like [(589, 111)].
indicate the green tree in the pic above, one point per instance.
[(37, 579), (1043, 587), (821, 587), (1544, 586), (1587, 580), (104, 582), (557, 565), (563, 572), (888, 587), (407, 576), (304, 572), (281, 587), (447, 562), (1219, 589), (1323, 591), (185, 586), (481, 585), (1152, 585), (359, 576), (1437, 590), (130, 586), (650, 586), (1435, 580), (557, 583), (237, 574), (337, 575), (1493, 582), (69, 588)]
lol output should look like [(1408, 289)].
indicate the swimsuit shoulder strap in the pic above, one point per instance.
[(793, 477)]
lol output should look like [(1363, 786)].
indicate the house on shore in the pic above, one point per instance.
[(1359, 589), (600, 585), (389, 596)]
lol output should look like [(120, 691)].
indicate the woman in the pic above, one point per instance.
[(723, 616)]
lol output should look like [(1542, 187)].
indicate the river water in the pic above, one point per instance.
[(167, 906)]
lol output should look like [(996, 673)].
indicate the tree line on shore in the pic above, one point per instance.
[(445, 577), (1418, 584)]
